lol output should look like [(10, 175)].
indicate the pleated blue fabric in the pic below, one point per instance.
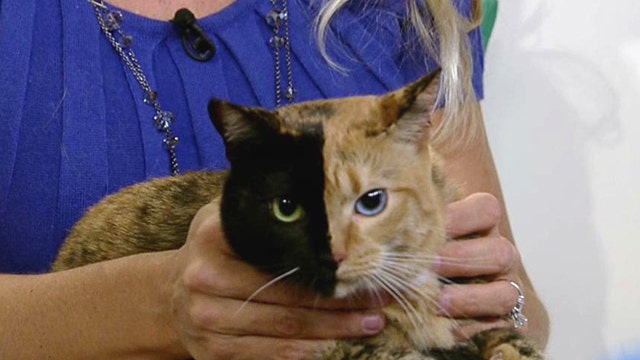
[(75, 127)]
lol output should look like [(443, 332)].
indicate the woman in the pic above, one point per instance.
[(81, 122)]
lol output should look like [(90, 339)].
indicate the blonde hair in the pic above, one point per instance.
[(442, 32)]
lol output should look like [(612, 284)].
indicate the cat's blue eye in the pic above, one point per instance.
[(286, 210), (372, 203)]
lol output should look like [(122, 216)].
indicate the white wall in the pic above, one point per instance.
[(562, 106)]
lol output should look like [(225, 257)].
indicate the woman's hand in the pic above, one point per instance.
[(482, 251), (213, 320)]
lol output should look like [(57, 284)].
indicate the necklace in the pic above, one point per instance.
[(278, 18), (109, 21)]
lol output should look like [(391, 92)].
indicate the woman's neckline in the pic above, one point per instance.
[(163, 11), (141, 25)]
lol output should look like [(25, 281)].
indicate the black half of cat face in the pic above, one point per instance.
[(273, 212)]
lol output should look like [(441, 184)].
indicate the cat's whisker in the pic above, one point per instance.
[(409, 267), (398, 281), (410, 251), (401, 273), (418, 254), (480, 262), (372, 287), (410, 289), (263, 287), (415, 256), (432, 259), (398, 297), (415, 291), (413, 314), (410, 255), (407, 270), (434, 301)]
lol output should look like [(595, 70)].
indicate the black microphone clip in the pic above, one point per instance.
[(194, 40)]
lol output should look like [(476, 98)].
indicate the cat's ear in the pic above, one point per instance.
[(240, 124), (410, 108)]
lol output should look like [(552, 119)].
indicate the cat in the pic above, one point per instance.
[(345, 195)]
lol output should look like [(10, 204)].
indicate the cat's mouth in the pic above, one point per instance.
[(382, 277), (346, 288), (352, 280)]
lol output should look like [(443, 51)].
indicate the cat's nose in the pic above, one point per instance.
[(339, 256)]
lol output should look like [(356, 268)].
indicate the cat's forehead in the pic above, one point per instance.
[(328, 116)]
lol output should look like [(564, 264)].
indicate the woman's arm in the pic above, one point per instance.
[(168, 305), (492, 252), (111, 310)]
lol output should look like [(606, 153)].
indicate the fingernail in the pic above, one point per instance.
[(372, 324)]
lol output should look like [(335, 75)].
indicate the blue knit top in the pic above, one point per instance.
[(74, 127)]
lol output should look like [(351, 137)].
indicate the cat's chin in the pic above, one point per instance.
[(345, 289)]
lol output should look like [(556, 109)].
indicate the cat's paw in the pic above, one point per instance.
[(505, 352), (328, 351), (518, 351), (365, 349), (506, 344)]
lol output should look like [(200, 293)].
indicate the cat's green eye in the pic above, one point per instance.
[(286, 210), (372, 203)]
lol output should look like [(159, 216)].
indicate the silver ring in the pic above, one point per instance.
[(516, 315)]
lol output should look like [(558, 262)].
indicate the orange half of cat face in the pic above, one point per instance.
[(384, 215)]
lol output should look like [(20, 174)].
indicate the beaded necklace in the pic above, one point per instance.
[(110, 23)]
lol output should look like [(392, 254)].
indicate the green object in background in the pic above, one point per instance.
[(490, 9)]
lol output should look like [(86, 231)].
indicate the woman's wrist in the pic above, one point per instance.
[(159, 275), (137, 294)]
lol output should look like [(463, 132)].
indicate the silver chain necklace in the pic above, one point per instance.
[(110, 20), (278, 19)]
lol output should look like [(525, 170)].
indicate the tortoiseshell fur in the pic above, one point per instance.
[(325, 156)]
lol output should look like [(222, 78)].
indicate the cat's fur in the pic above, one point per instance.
[(325, 156)]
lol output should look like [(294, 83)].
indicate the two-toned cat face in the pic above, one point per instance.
[(337, 191)]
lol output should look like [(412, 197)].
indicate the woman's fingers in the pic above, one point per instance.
[(483, 253), (477, 214), (493, 299), (233, 317), (477, 257)]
